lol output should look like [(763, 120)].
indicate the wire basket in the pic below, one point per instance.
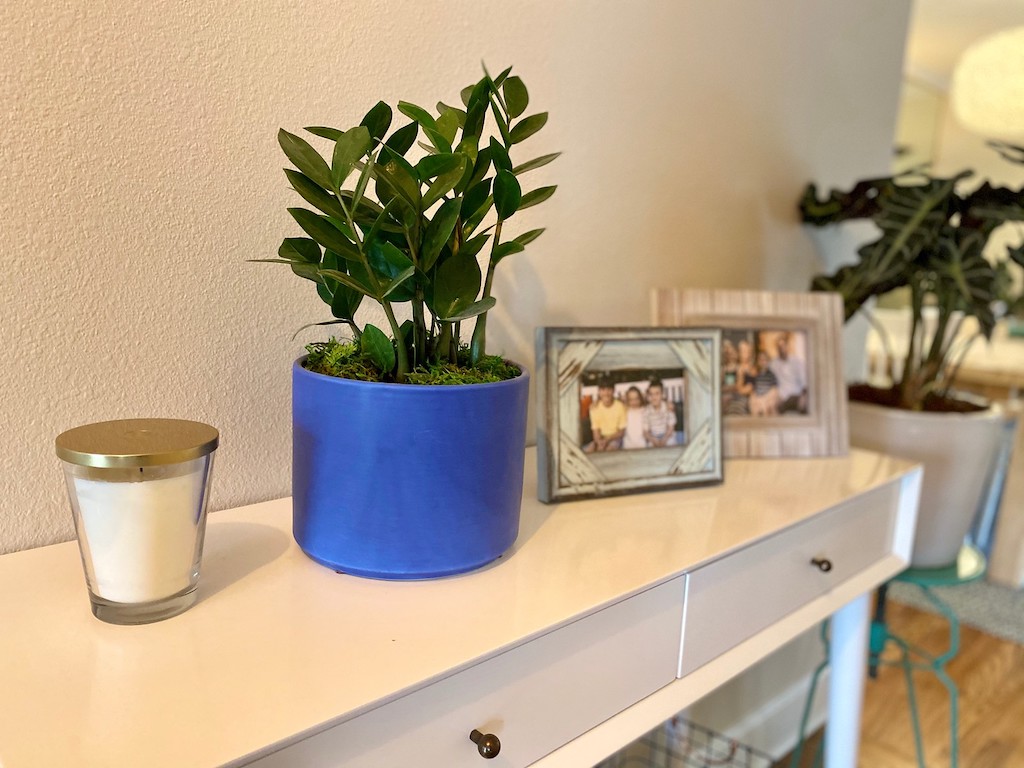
[(680, 743)]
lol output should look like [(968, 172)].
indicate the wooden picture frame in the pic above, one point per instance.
[(671, 433), (817, 425)]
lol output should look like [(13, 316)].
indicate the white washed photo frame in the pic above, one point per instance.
[(818, 315), (565, 356)]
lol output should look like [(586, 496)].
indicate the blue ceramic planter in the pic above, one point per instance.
[(398, 481)]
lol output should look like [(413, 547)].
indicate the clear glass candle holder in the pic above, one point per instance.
[(139, 490)]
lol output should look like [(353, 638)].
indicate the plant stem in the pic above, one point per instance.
[(909, 367), (478, 344), (419, 329), (396, 331)]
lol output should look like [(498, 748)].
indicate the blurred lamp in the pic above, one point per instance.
[(987, 92)]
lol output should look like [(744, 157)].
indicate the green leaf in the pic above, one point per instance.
[(300, 249), (499, 156), (528, 126), (345, 302), (444, 183), (378, 347), (387, 259), (1016, 254), (481, 166), (448, 125), (465, 93), (351, 146), (396, 172), (501, 76), (506, 249), (326, 287), (324, 232), (500, 121), (528, 237), (324, 132), (470, 223), (428, 124), (476, 108), (474, 309), (346, 280), (305, 158), (516, 96), (314, 325), (475, 197), (474, 245), (308, 271), (313, 193), (537, 162), (377, 121), (388, 262), (434, 165), (401, 141), (398, 281), (419, 114), (438, 232), (456, 285), (507, 194), (537, 196), (460, 114)]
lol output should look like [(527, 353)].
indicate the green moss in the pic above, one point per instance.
[(344, 360)]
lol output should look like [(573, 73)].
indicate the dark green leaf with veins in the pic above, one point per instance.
[(507, 194), (377, 121), (536, 196), (305, 158), (324, 232), (438, 232), (401, 141), (516, 96), (506, 249), (348, 149), (537, 162), (378, 347), (456, 285), (528, 126)]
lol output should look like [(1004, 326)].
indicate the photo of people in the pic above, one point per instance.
[(632, 409), (764, 373)]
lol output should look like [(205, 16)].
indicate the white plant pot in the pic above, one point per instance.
[(958, 451)]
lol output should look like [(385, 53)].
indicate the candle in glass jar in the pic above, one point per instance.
[(141, 535), (139, 490)]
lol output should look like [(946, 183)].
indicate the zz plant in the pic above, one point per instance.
[(931, 242), (409, 232)]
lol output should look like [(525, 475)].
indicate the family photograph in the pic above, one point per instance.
[(764, 373), (631, 410)]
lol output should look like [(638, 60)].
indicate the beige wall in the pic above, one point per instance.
[(141, 170)]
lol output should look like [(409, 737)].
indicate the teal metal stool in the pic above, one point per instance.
[(970, 566)]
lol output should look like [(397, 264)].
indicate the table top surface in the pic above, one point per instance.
[(278, 646)]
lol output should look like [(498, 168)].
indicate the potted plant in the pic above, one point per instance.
[(933, 233), (408, 445)]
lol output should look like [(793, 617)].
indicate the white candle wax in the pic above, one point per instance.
[(141, 536)]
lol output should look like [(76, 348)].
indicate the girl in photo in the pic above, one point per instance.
[(634, 437)]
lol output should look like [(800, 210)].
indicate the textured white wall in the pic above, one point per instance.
[(141, 170)]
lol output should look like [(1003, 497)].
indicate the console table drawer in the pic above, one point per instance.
[(535, 697), (736, 597)]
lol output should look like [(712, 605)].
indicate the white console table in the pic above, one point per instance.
[(606, 618)]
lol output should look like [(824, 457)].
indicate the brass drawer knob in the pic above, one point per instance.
[(823, 563), (487, 744)]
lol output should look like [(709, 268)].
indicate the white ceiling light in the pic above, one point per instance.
[(988, 86)]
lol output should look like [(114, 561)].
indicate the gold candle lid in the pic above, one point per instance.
[(136, 443)]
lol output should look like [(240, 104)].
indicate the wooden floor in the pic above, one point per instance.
[(990, 675)]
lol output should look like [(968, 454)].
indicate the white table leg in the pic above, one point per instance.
[(848, 649)]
